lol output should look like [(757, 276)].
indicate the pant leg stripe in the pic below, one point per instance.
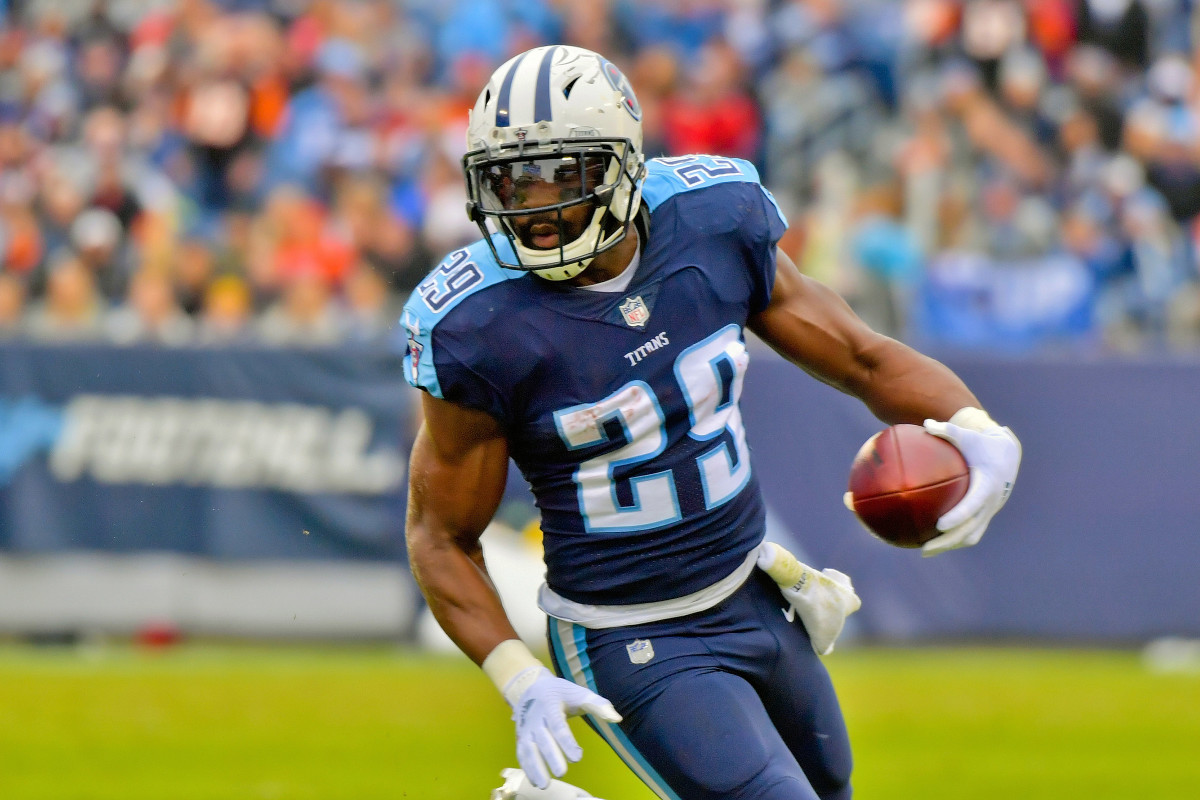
[(570, 644)]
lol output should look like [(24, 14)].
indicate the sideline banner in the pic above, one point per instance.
[(280, 454), (254, 455), (1097, 544)]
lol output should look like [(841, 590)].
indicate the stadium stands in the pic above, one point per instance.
[(261, 155)]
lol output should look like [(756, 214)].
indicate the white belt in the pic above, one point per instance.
[(590, 616)]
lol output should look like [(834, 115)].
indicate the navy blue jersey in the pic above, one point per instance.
[(621, 409)]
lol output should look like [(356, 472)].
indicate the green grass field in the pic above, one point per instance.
[(276, 723)]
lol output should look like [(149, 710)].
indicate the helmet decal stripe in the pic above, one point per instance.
[(541, 105), (505, 96)]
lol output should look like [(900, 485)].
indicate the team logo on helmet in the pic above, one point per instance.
[(618, 81), (635, 312)]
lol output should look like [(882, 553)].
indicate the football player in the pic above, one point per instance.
[(596, 335)]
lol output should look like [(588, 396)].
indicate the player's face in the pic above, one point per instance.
[(552, 188)]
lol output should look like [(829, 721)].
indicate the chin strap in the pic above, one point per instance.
[(641, 222), (563, 273)]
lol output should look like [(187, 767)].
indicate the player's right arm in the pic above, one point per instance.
[(457, 473)]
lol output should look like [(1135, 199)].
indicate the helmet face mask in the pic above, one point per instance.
[(554, 202), (554, 161)]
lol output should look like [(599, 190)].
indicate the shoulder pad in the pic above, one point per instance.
[(460, 274), (670, 176), (667, 177)]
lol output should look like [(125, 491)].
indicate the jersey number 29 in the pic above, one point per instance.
[(711, 394)]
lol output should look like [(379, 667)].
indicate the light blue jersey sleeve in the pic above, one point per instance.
[(666, 177), (461, 274), (719, 196)]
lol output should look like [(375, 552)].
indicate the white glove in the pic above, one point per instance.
[(993, 456), (541, 704), (822, 599), (517, 787)]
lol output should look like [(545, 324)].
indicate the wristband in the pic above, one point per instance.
[(782, 566), (513, 668), (973, 419)]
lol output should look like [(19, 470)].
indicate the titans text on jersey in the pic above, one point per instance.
[(621, 409)]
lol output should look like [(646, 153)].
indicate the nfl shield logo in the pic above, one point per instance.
[(635, 312), (640, 651)]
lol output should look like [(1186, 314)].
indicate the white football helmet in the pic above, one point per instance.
[(556, 127), (517, 787)]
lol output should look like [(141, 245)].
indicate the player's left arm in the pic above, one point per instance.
[(814, 328)]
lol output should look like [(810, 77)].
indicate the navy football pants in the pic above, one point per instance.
[(728, 704)]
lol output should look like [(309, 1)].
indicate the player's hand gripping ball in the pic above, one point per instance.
[(902, 480)]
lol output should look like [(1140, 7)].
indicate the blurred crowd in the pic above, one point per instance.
[(982, 172)]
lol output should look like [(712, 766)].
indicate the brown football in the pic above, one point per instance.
[(902, 480)]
